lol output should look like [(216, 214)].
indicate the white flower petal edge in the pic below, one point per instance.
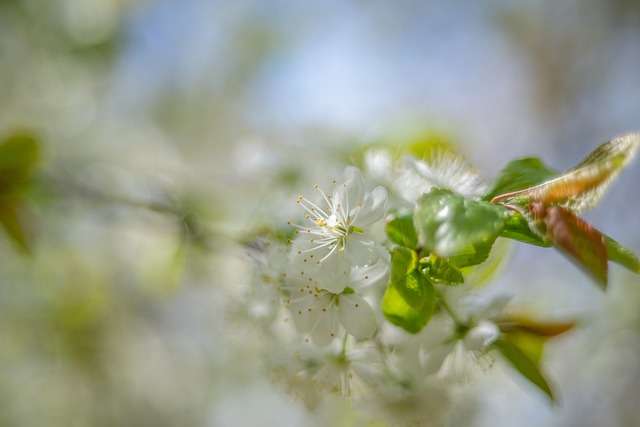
[(357, 316), (372, 209), (360, 249), (351, 192)]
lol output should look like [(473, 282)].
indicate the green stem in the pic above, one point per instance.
[(443, 303), (344, 344)]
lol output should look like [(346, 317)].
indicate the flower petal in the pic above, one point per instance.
[(357, 316), (316, 314), (350, 192), (483, 334), (333, 272), (360, 249), (378, 273), (372, 209), (324, 324)]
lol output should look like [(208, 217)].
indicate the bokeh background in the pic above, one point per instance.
[(170, 131)]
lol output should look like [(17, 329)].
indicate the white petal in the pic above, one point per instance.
[(455, 366), (377, 273), (351, 191), (411, 183), (483, 334), (315, 315), (360, 249), (333, 273), (357, 316), (325, 324), (378, 164), (373, 208), (299, 304), (432, 361)]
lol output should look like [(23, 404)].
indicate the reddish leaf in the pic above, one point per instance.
[(509, 324), (582, 187), (573, 236)]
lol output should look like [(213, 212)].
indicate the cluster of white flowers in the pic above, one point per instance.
[(318, 298)]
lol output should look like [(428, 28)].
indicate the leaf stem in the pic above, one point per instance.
[(443, 303)]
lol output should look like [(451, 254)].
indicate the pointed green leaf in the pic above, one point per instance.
[(573, 236), (523, 364), (13, 223), (621, 255), (401, 231), (451, 225), (529, 335), (409, 300), (530, 344), (518, 175), (582, 187), (441, 270)]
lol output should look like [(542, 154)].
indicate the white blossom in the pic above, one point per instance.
[(321, 313), (450, 349), (443, 169), (337, 235), (351, 372)]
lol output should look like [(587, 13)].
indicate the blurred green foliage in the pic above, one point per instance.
[(19, 155)]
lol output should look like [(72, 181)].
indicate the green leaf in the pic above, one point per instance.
[(523, 364), (441, 270), (581, 187), (401, 231), (13, 223), (409, 300), (451, 225), (530, 344), (573, 236), (403, 262), (19, 153), (621, 255), (474, 255), (518, 175), (529, 335), (517, 228)]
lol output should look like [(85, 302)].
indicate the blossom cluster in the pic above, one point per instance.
[(317, 297), (374, 296)]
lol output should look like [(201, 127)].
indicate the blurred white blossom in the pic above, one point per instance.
[(442, 169)]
